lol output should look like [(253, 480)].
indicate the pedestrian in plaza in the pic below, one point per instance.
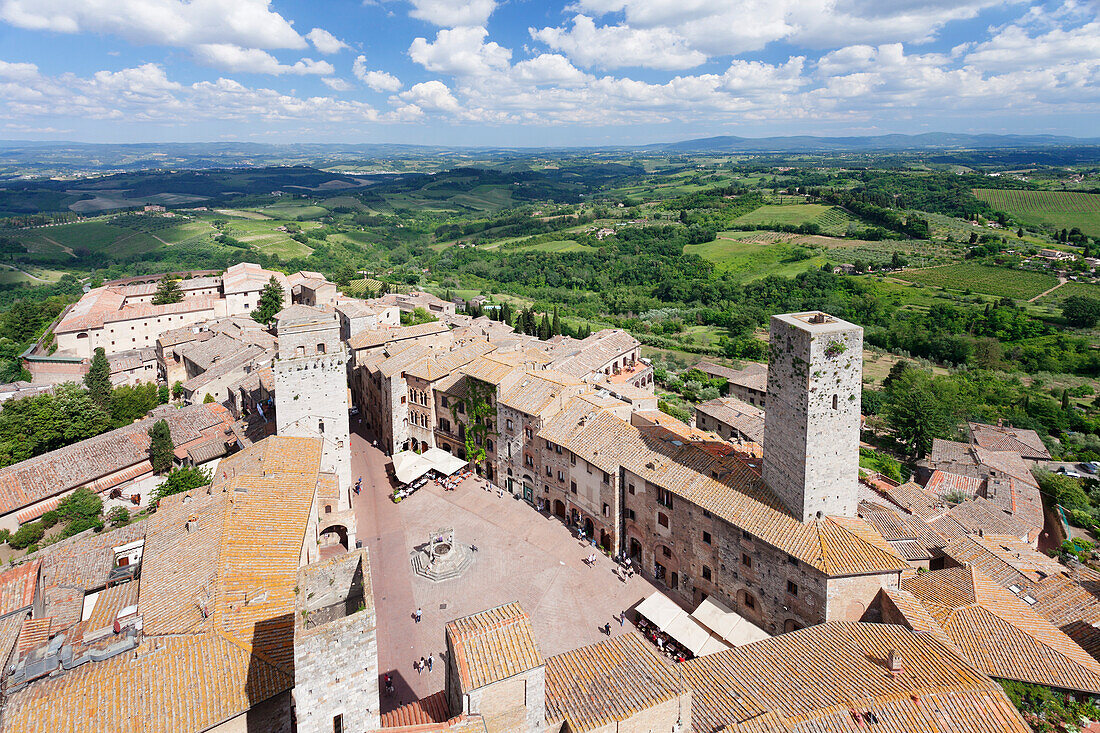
[(416, 665), (622, 618), (424, 664), (607, 628), (418, 615), (429, 662)]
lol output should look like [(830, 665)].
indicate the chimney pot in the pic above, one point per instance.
[(894, 664)]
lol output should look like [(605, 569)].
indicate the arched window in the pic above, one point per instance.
[(834, 401), (320, 348)]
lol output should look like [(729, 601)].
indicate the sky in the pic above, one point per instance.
[(542, 72)]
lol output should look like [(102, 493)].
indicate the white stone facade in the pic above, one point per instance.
[(811, 425)]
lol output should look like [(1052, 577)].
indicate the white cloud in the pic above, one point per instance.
[(433, 96), (336, 84), (249, 23), (18, 71), (1013, 47), (452, 13), (324, 41), (461, 52), (254, 61), (612, 47), (379, 81), (548, 68)]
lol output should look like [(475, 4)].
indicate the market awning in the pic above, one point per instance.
[(409, 465), (660, 610), (677, 623), (730, 626)]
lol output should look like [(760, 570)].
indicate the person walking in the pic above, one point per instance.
[(622, 618), (416, 664), (607, 628), (424, 664), (418, 615), (429, 662)]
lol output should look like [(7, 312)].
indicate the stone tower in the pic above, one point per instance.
[(311, 388), (811, 424)]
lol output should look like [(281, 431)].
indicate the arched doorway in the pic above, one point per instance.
[(333, 539), (635, 549), (559, 509), (791, 625), (589, 528), (605, 540)]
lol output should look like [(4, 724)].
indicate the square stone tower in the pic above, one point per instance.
[(811, 424), (311, 387)]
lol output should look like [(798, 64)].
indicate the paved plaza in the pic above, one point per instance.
[(522, 556)]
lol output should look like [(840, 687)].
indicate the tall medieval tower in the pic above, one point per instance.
[(811, 424), (311, 388)]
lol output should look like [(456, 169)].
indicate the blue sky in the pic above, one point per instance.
[(535, 72)]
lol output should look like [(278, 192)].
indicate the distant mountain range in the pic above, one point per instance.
[(871, 143)]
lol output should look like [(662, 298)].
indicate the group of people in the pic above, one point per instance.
[(450, 483), (665, 643), (423, 663)]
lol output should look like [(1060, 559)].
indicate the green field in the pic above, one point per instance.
[(1066, 290), (1060, 209), (829, 218), (58, 243), (559, 245), (751, 261), (997, 281), (292, 210)]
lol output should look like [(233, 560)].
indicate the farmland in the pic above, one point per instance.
[(831, 219), (997, 281), (1059, 209)]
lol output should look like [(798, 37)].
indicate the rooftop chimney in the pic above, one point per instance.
[(893, 663)]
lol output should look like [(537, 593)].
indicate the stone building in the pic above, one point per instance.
[(336, 647), (811, 426), (732, 419), (749, 384), (311, 393)]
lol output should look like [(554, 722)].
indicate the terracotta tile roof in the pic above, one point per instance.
[(944, 483), (10, 628), (444, 362), (534, 392), (78, 564), (832, 545), (490, 368), (827, 678), (169, 683), (33, 633), (1008, 463), (91, 309), (17, 586), (1019, 440), (109, 602), (428, 711), (580, 358), (607, 683), (977, 515), (911, 537), (741, 416), (96, 459), (1000, 633), (380, 337), (916, 616), (217, 604), (1067, 596), (915, 500), (148, 310), (493, 645), (950, 451)]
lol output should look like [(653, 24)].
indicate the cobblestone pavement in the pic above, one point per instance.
[(522, 556)]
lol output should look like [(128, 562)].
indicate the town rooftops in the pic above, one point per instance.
[(608, 682), (1000, 633), (593, 353), (216, 598), (18, 586), (835, 677), (753, 376), (383, 336), (445, 361), (724, 485), (741, 416), (999, 438), (102, 458), (246, 277), (492, 646)]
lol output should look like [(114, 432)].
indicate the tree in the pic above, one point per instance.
[(177, 390), (544, 327), (81, 504), (168, 291), (555, 327), (98, 378), (179, 480), (915, 413), (271, 302), (162, 394), (1081, 311), (119, 516), (161, 448)]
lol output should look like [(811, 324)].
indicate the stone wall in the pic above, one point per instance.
[(336, 647), (849, 598), (811, 424), (758, 589)]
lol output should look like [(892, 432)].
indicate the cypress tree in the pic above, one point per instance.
[(555, 328), (98, 378), (161, 448)]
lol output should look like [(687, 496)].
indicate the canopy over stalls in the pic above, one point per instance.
[(732, 627), (677, 623), (408, 465)]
